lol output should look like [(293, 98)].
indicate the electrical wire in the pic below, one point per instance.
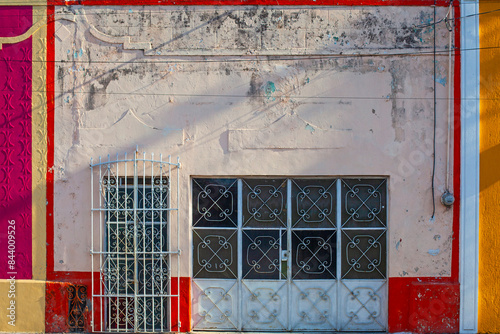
[(172, 7), (434, 128), (459, 18), (243, 58), (439, 21), (448, 140), (331, 97), (266, 58)]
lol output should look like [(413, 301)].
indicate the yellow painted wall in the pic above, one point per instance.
[(489, 230), (29, 306), (39, 143)]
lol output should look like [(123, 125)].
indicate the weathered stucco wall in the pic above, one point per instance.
[(489, 232), (257, 91)]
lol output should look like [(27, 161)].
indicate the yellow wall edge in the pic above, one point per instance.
[(23, 2), (39, 144), (28, 297), (489, 228)]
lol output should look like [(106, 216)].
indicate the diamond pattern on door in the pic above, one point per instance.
[(214, 202), (363, 305), (215, 253), (363, 254), (314, 203), (264, 203), (364, 203), (314, 305), (264, 307), (215, 304), (314, 254), (261, 253)]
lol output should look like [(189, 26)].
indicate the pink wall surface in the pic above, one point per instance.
[(15, 145)]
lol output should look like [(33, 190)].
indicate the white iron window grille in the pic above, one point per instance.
[(133, 250), (302, 254)]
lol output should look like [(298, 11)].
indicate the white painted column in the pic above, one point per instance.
[(469, 206)]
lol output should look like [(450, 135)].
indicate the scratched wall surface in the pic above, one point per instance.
[(257, 91), (15, 145)]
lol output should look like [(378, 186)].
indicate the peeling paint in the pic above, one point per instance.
[(310, 128), (77, 53), (434, 252), (269, 89), (440, 80)]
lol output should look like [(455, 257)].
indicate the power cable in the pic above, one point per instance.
[(434, 125), (262, 58)]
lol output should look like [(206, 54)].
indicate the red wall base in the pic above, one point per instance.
[(423, 305), (185, 303), (56, 307), (57, 302), (417, 305)]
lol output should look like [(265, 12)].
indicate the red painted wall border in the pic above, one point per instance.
[(400, 288), (441, 3), (456, 128), (56, 312), (50, 140), (399, 292), (51, 70)]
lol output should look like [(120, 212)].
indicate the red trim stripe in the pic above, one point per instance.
[(50, 140), (441, 3), (455, 250)]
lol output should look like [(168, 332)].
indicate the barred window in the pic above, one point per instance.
[(132, 245)]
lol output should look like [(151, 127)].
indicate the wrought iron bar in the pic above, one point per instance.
[(288, 252), (338, 225), (92, 241), (240, 251)]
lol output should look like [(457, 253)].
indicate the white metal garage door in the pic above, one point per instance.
[(289, 254)]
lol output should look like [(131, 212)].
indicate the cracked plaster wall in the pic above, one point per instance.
[(231, 92)]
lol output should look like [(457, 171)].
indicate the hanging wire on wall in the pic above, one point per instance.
[(434, 122)]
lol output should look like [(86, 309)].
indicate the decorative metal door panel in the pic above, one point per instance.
[(261, 254), (264, 305), (314, 305), (132, 244), (217, 305), (363, 305), (290, 254)]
